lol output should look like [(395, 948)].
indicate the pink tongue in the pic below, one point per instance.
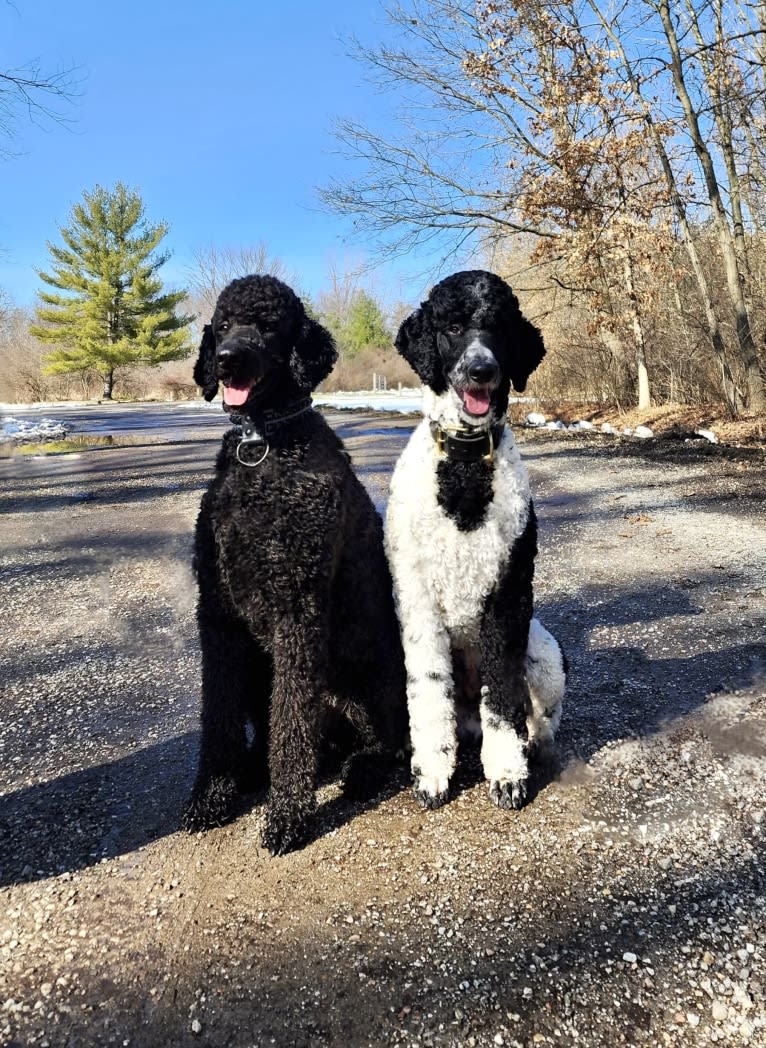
[(477, 402), (235, 395)]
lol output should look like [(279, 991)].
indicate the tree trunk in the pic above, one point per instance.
[(756, 387), (644, 396), (679, 207), (108, 384)]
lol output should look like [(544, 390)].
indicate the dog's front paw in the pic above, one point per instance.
[(509, 795), (431, 791), (211, 804), (284, 830)]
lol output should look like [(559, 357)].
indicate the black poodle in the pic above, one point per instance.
[(296, 616)]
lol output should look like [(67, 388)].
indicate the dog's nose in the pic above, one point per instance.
[(483, 370), (225, 357)]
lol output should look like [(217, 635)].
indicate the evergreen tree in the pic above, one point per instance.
[(364, 326), (109, 309)]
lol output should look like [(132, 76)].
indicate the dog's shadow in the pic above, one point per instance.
[(82, 818)]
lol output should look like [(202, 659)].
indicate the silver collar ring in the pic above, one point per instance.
[(251, 465)]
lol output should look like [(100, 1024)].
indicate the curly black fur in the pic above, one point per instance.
[(505, 630), (296, 615), (464, 491)]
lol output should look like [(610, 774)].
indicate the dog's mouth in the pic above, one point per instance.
[(235, 394), (476, 401)]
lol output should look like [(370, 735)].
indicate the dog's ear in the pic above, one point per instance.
[(204, 369), (416, 341), (527, 349), (313, 355)]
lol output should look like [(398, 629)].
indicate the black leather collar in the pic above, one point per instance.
[(258, 432), (467, 445)]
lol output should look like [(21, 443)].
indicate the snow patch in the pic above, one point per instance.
[(20, 431), (708, 434), (403, 402)]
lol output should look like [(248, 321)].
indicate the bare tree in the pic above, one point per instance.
[(557, 118), (214, 267), (27, 92)]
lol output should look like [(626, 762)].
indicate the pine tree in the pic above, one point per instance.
[(109, 309), (365, 325)]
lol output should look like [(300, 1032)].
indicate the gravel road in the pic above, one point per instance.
[(624, 906)]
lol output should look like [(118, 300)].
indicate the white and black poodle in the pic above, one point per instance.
[(461, 539), (296, 617)]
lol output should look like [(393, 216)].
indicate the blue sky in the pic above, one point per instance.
[(220, 114)]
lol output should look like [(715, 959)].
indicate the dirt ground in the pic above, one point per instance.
[(625, 905)]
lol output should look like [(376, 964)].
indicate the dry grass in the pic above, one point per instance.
[(355, 373)]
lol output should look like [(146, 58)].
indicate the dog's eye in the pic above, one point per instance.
[(224, 325), (455, 329)]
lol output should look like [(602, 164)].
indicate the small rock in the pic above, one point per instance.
[(196, 1026), (719, 1011), (629, 957), (636, 784), (692, 1019), (499, 1038)]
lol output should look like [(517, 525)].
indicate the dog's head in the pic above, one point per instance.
[(261, 345), (469, 342)]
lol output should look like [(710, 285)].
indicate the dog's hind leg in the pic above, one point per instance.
[(546, 676), (380, 724)]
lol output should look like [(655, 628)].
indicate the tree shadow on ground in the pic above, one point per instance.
[(619, 689), (542, 970)]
